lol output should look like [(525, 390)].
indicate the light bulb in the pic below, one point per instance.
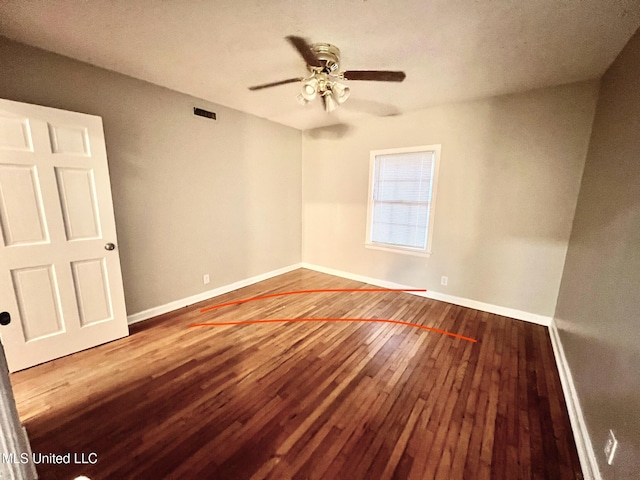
[(309, 89), (340, 92), (329, 103)]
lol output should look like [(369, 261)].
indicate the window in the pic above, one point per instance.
[(402, 194)]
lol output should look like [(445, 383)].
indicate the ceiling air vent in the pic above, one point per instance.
[(204, 113)]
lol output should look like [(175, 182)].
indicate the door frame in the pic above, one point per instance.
[(13, 435)]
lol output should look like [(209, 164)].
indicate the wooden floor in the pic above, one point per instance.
[(307, 400)]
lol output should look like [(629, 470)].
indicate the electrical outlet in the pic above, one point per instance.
[(205, 278), (444, 281), (610, 447)]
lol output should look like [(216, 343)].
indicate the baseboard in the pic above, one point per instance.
[(183, 302), (464, 302), (586, 454)]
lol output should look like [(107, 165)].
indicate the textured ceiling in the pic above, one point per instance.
[(451, 50)]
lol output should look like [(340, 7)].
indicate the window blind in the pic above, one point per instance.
[(402, 188)]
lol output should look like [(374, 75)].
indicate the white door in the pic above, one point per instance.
[(60, 278)]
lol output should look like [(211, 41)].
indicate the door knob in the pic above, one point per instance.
[(110, 246), (5, 318)]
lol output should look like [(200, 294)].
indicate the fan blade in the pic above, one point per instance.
[(275, 84), (303, 48), (374, 75)]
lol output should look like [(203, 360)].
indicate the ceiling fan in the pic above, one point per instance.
[(323, 64)]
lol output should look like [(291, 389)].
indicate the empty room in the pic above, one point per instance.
[(305, 240)]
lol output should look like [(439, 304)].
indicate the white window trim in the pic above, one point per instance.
[(426, 252)]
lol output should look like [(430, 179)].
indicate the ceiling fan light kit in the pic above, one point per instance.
[(332, 92), (323, 64)]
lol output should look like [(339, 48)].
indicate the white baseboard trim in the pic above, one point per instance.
[(588, 461), (183, 302), (464, 302)]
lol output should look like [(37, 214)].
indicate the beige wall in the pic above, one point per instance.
[(598, 312), (510, 171), (191, 196)]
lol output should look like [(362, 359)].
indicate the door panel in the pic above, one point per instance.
[(21, 206), (92, 291), (61, 286), (79, 203), (37, 294), (15, 133), (69, 139)]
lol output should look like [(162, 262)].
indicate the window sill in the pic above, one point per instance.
[(403, 251)]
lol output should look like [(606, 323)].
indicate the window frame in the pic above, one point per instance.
[(421, 252)]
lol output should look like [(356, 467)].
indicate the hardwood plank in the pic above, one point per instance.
[(524, 447), (307, 400), (457, 439), (401, 443)]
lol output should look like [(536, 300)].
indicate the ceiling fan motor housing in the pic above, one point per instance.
[(328, 56)]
